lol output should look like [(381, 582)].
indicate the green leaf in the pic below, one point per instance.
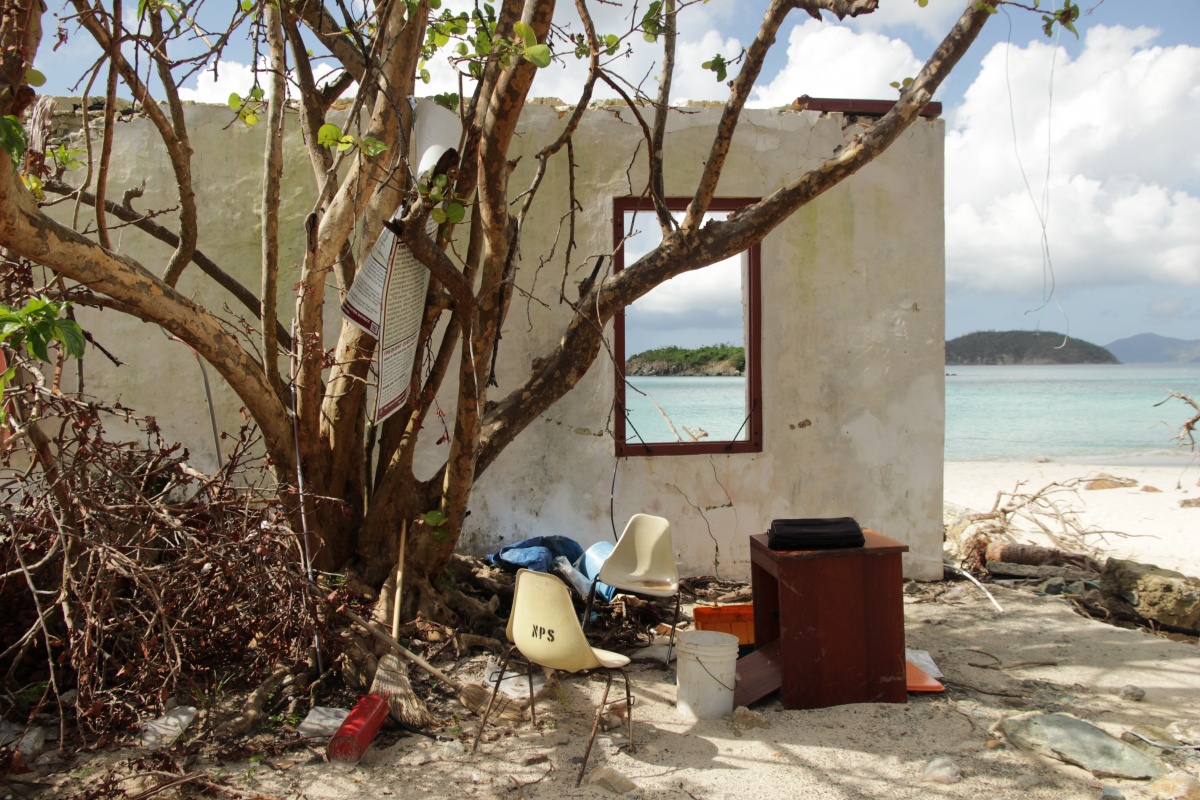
[(538, 55), (345, 143), (13, 139), (438, 215), (257, 93), (249, 117), (247, 6), (34, 78), (328, 135), (235, 101), (425, 76), (435, 519), (455, 213), (71, 335), (526, 34), (372, 146)]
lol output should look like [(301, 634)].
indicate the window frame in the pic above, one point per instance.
[(752, 298)]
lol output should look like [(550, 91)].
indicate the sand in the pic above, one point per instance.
[(852, 751), (1133, 522)]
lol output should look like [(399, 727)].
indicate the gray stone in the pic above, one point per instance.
[(33, 742), (1108, 792), (1155, 593), (1028, 781), (1134, 693), (1074, 741), (941, 769), (612, 780)]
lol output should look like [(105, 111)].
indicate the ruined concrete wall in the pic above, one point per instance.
[(852, 359)]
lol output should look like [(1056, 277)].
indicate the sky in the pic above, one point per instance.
[(1072, 165)]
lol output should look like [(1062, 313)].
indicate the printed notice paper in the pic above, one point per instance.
[(387, 298)]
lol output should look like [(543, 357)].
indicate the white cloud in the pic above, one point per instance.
[(830, 60), (1108, 136), (933, 20), (215, 85)]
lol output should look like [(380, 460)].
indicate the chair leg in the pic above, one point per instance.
[(587, 608), (671, 644), (595, 727), (532, 698), (492, 700)]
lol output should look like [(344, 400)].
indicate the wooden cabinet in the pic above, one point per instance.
[(828, 625)]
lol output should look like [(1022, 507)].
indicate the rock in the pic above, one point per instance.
[(1028, 781), (941, 769), (1138, 734), (1187, 732), (1155, 593), (33, 742), (1149, 488), (1074, 741), (1106, 481), (1111, 793), (1191, 502), (530, 759), (612, 780), (744, 719), (1134, 693), (1176, 786)]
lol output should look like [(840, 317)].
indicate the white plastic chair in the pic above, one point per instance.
[(545, 631), (643, 562)]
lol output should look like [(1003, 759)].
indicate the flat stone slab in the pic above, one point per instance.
[(1074, 741)]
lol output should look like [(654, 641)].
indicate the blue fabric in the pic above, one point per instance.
[(537, 553)]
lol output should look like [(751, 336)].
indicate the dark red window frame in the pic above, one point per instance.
[(753, 443)]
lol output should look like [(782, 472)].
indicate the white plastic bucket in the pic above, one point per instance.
[(706, 668)]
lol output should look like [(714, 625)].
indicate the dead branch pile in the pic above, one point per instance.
[(129, 578), (983, 540)]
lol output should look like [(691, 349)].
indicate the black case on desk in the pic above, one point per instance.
[(814, 534)]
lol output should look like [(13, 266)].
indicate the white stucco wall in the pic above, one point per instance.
[(852, 358)]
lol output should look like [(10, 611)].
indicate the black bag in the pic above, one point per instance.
[(814, 534)]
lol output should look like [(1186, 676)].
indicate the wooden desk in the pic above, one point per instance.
[(828, 625)]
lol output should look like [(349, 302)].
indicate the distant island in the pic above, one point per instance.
[(710, 360), (1150, 348), (1023, 347)]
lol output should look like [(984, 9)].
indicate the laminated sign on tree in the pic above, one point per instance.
[(387, 297)]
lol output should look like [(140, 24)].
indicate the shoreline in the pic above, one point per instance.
[(1135, 523)]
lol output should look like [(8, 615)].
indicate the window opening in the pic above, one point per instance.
[(687, 374)]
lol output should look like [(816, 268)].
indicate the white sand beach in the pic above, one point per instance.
[(1134, 522)]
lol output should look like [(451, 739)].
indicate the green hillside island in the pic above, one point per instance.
[(1023, 347), (713, 359)]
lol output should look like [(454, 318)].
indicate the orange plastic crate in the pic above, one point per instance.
[(737, 619)]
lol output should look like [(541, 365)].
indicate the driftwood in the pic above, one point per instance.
[(1036, 571), (252, 711), (1031, 554)]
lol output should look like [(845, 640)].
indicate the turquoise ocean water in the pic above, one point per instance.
[(1075, 414)]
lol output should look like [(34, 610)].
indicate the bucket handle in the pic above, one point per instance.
[(700, 661)]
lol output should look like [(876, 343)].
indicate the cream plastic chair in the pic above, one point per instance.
[(545, 631), (643, 562)]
